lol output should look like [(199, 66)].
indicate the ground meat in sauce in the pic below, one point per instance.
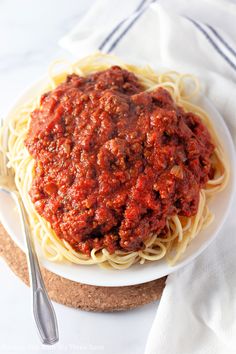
[(112, 162)]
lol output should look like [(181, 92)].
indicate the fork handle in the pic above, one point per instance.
[(43, 310)]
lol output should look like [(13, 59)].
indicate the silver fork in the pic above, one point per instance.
[(43, 311)]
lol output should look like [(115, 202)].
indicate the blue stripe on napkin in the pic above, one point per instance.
[(110, 35), (222, 40), (213, 43), (114, 44)]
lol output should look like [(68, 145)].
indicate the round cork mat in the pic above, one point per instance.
[(77, 295)]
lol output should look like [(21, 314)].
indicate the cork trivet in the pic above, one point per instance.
[(77, 295)]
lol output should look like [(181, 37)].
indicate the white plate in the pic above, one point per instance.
[(138, 273)]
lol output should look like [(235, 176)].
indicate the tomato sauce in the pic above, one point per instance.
[(112, 161)]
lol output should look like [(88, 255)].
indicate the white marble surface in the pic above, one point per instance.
[(29, 32)]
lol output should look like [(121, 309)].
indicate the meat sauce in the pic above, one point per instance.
[(112, 161)]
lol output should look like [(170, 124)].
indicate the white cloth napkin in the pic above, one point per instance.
[(197, 312)]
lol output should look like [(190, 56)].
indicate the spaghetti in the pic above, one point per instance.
[(179, 230)]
